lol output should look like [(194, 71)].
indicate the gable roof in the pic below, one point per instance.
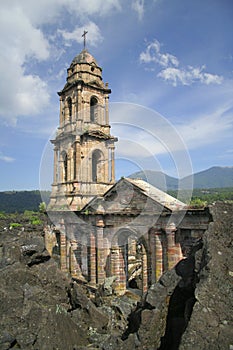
[(151, 194), (157, 195)]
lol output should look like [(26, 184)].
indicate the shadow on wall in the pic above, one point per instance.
[(181, 302)]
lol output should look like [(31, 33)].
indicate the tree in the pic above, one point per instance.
[(42, 207)]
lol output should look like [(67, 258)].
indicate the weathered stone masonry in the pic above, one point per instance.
[(128, 229)]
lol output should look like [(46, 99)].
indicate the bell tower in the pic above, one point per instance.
[(83, 147)]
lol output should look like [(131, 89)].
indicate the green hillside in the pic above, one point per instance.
[(215, 177), (19, 201)]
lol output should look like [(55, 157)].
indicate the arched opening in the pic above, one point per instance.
[(97, 162), (69, 105), (93, 109), (65, 166)]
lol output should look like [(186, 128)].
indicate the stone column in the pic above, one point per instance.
[(71, 260), (61, 172), (72, 118), (75, 269), (121, 285), (114, 261), (61, 112), (173, 248), (55, 166), (63, 252), (112, 165), (78, 161), (144, 271), (158, 255), (100, 251), (92, 258), (152, 255), (78, 103), (117, 268), (106, 111), (71, 164)]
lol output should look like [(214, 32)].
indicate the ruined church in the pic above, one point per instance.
[(125, 229)]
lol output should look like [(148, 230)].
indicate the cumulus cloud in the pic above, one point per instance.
[(94, 34), (23, 43), (21, 93), (44, 11), (171, 70), (153, 54), (189, 76), (138, 7)]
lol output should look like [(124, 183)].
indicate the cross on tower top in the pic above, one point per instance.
[(84, 38)]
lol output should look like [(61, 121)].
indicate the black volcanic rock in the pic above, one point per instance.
[(37, 301), (190, 307), (210, 326)]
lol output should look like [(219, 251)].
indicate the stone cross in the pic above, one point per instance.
[(84, 38)]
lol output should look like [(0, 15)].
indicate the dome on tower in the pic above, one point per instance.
[(84, 57)]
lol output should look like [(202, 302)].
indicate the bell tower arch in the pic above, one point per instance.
[(83, 146)]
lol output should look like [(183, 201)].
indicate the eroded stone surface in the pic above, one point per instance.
[(210, 326)]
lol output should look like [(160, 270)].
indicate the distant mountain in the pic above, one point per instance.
[(215, 177), (157, 179)]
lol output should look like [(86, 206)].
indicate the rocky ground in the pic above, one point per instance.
[(189, 308)]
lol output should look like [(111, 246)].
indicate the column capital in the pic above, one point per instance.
[(171, 228), (100, 221), (156, 229)]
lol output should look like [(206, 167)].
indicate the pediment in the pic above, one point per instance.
[(125, 199)]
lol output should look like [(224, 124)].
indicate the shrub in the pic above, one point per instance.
[(36, 221), (15, 225), (2, 215), (42, 207), (197, 203)]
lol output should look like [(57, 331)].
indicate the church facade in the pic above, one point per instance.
[(127, 229)]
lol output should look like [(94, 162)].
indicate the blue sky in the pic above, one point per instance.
[(171, 57)]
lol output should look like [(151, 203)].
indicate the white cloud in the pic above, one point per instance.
[(153, 54), (172, 72), (21, 93), (189, 75), (138, 7), (23, 43), (94, 36), (44, 11), (6, 158), (93, 7)]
